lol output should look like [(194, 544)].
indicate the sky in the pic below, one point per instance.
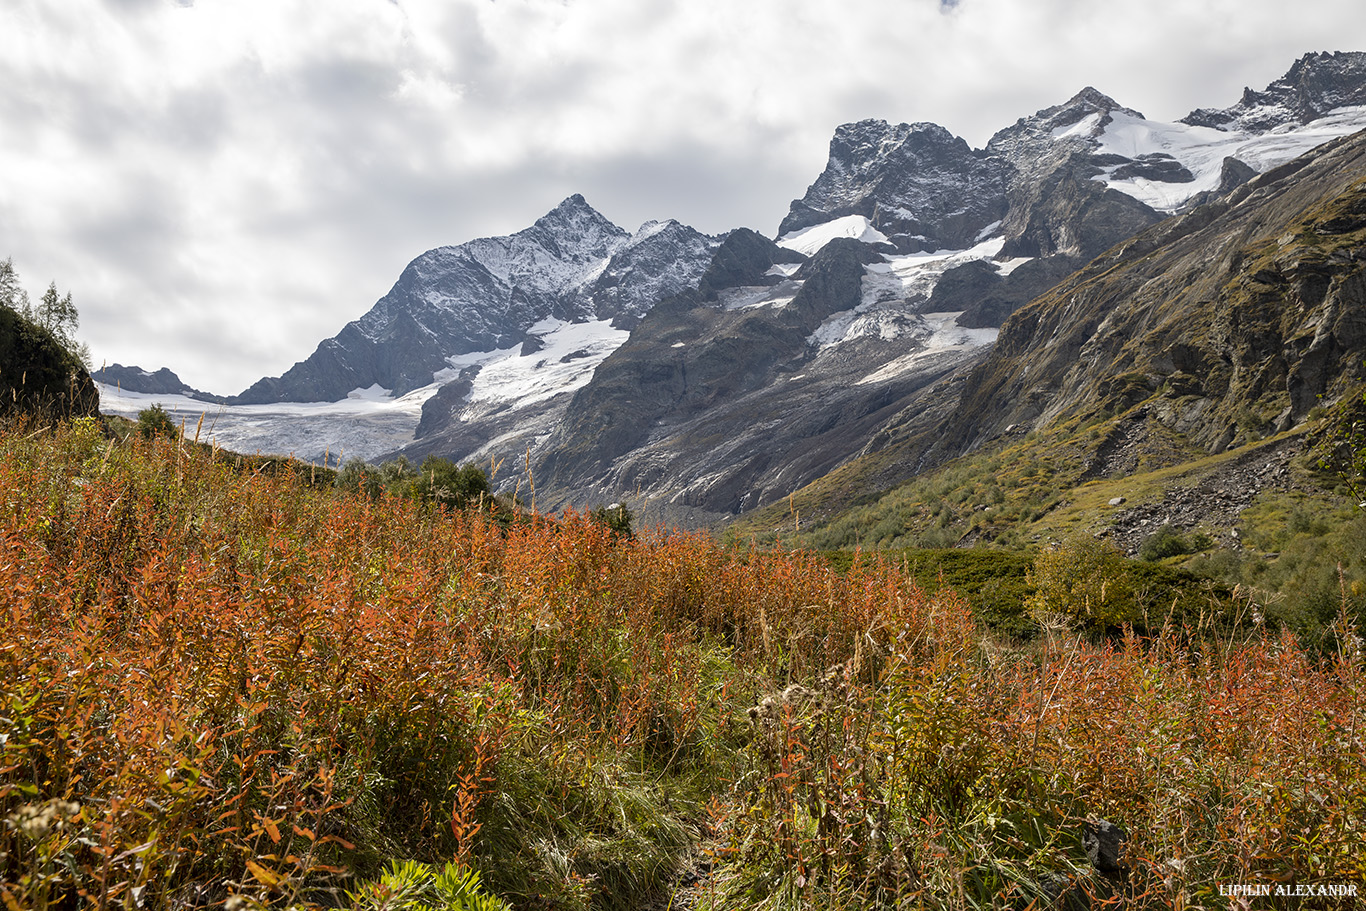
[(222, 184)]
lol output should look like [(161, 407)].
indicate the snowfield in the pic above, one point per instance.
[(569, 354), (371, 422), (914, 275), (808, 240), (365, 424), (1203, 150)]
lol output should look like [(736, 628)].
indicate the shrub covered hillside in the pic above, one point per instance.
[(221, 687)]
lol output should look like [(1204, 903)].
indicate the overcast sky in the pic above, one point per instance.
[(222, 184)]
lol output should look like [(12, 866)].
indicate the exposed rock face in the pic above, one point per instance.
[(1233, 175), (715, 406), (442, 410), (745, 257), (1064, 134), (661, 259), (572, 265), (1072, 216), (832, 282), (38, 375), (966, 286), (986, 298), (918, 184), (149, 382), (1244, 311), (1055, 206), (1314, 85)]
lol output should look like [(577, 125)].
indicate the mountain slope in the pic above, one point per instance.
[(1204, 334), (484, 296), (1255, 302), (713, 375)]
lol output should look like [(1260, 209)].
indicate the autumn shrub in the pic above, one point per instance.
[(248, 686), (1089, 584), (967, 780), (156, 422), (218, 681)]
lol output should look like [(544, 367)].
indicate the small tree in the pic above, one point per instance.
[(55, 313), (443, 481), (1084, 581), (616, 517), (155, 422), (12, 295)]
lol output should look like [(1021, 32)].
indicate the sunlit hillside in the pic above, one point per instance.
[(222, 685)]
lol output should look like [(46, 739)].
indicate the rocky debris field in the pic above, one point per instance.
[(1215, 501)]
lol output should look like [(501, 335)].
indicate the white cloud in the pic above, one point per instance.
[(224, 183)]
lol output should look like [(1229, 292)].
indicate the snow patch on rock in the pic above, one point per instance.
[(568, 355), (809, 240), (941, 334), (1202, 151)]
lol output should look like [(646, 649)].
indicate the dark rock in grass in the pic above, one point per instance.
[(1062, 892), (1104, 844)]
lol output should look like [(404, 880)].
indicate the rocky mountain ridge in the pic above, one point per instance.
[(918, 184), (151, 382), (1315, 85), (1209, 334), (572, 265), (709, 376)]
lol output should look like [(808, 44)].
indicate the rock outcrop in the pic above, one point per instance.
[(1313, 86), (918, 184)]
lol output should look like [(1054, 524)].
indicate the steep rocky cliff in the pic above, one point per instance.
[(918, 184), (1316, 84), (1239, 316)]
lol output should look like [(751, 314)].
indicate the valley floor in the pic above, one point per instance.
[(221, 684)]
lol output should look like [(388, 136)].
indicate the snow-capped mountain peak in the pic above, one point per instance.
[(575, 226), (1042, 141), (1314, 86), (919, 185), (485, 295)]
